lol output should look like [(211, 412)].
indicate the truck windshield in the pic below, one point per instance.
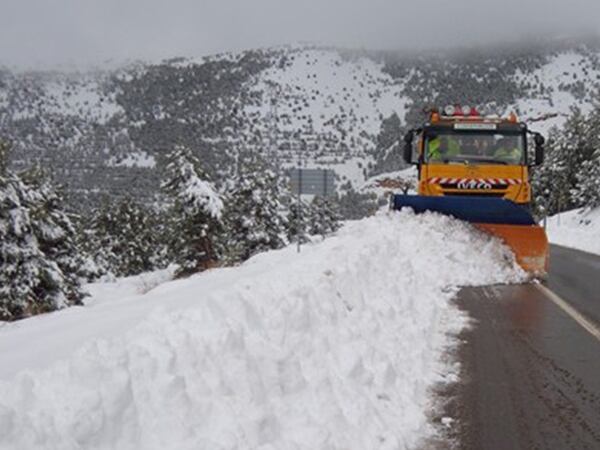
[(483, 148)]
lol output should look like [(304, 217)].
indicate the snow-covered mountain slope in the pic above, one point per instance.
[(108, 132), (335, 347), (326, 110), (76, 95), (579, 229), (566, 80)]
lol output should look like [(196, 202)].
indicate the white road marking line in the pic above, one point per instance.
[(575, 315)]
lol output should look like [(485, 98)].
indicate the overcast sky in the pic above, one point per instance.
[(47, 32)]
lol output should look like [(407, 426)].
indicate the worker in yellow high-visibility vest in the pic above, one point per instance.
[(436, 150), (508, 150)]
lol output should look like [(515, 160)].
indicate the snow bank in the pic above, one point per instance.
[(336, 347), (112, 308), (114, 289), (579, 229)]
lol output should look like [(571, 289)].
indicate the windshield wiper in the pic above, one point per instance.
[(475, 160), (492, 161)]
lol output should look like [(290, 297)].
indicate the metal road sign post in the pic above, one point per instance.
[(310, 182)]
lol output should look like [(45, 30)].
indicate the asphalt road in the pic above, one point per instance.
[(531, 362)]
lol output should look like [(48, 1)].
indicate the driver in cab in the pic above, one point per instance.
[(508, 150), (441, 147)]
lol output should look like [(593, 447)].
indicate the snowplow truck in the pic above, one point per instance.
[(477, 169)]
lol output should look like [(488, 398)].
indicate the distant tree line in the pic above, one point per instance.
[(47, 254)]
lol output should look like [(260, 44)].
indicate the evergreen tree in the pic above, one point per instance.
[(298, 221), (29, 282), (555, 183), (388, 154), (38, 258), (56, 234), (547, 190), (255, 216), (100, 239), (4, 153), (140, 249), (198, 211), (587, 190), (355, 205), (124, 239), (163, 223), (325, 218)]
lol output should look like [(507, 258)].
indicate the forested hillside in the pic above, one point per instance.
[(108, 132)]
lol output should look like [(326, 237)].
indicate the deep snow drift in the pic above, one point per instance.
[(336, 347), (579, 229)]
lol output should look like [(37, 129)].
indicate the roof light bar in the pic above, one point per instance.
[(449, 110)]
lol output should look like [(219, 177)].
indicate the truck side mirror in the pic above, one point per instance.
[(539, 141), (408, 141)]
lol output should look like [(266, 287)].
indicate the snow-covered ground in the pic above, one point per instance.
[(84, 98), (579, 229), (335, 347), (133, 159)]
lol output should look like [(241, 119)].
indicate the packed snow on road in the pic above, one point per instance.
[(336, 347)]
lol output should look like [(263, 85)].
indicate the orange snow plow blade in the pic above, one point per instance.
[(502, 218), (528, 243)]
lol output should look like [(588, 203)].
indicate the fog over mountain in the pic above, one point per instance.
[(219, 78), (46, 33)]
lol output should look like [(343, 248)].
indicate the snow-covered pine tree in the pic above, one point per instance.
[(298, 221), (139, 248), (583, 163), (163, 226), (56, 234), (4, 153), (255, 216), (198, 210), (547, 197), (124, 239), (99, 238), (32, 281), (567, 150), (29, 282), (325, 217), (587, 191)]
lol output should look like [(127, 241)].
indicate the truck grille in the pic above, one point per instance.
[(474, 185), (475, 194)]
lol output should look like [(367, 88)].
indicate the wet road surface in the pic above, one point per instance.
[(530, 368), (575, 276)]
